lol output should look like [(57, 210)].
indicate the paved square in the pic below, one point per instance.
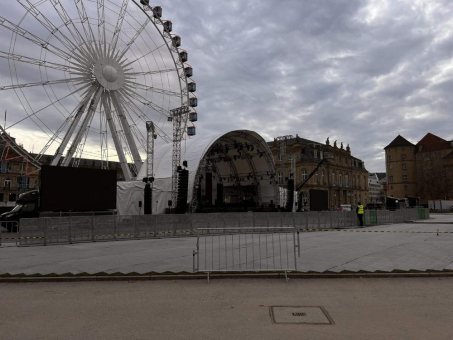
[(411, 246), (312, 315)]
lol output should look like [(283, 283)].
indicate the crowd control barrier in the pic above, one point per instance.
[(246, 250), (75, 229)]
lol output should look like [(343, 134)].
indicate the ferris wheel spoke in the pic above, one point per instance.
[(115, 137), (38, 62), (133, 84), (127, 131), (88, 117), (133, 125), (134, 108), (146, 102), (69, 22), (80, 109), (134, 38), (35, 39), (101, 26), (44, 83), (45, 107), (119, 24), (87, 27), (132, 74), (143, 56), (47, 24)]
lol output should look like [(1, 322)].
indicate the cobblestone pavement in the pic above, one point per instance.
[(385, 248)]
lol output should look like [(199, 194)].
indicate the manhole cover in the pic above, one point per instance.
[(311, 315)]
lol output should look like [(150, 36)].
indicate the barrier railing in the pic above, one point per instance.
[(246, 250), (8, 231), (75, 229)]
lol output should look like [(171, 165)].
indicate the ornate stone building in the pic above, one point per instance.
[(340, 175)]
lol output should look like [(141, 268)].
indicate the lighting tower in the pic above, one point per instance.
[(179, 116)]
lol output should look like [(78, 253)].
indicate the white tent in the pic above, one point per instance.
[(198, 152)]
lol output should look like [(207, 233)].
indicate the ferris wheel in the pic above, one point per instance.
[(88, 75)]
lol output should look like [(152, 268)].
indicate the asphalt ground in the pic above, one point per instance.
[(415, 308), (411, 246)]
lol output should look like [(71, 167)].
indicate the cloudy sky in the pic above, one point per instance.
[(360, 72)]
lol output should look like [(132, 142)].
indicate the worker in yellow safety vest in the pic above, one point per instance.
[(360, 212)]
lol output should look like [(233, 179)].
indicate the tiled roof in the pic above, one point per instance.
[(432, 142), (399, 141)]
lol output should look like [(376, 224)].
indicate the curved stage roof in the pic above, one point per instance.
[(235, 159)]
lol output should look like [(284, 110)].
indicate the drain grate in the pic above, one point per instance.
[(310, 315)]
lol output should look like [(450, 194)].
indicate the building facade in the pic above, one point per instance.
[(17, 175), (401, 168), (375, 189), (421, 170), (334, 171)]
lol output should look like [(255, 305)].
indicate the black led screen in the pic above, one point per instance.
[(77, 189)]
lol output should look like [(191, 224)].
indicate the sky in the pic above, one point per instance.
[(360, 72)]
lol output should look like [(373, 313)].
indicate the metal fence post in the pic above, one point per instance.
[(69, 229), (92, 228), (45, 231)]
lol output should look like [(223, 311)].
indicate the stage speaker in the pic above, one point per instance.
[(148, 199), (183, 188), (220, 198), (290, 195)]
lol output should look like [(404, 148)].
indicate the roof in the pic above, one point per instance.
[(399, 141), (432, 142), (381, 175)]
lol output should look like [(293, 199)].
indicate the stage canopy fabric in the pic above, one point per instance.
[(237, 158)]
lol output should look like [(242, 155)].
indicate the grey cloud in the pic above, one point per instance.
[(317, 68)]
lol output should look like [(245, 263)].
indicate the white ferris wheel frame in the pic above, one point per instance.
[(103, 77)]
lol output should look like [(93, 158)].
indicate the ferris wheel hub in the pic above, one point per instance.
[(110, 73)]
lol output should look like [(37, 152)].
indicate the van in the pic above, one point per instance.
[(345, 207)]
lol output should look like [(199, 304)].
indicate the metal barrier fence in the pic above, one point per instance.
[(8, 230), (75, 229), (246, 250)]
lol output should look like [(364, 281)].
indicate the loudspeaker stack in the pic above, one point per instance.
[(183, 187)]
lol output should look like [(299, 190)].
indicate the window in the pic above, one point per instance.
[(390, 157), (321, 154), (405, 178), (317, 177), (280, 157), (322, 177), (391, 166), (404, 166), (29, 207), (8, 183), (12, 197), (391, 188), (280, 177), (304, 174), (304, 199), (333, 178), (339, 179), (315, 153), (391, 178), (403, 156), (347, 180)]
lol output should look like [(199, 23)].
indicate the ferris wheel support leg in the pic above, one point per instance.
[(116, 140), (72, 127), (127, 131), (91, 110)]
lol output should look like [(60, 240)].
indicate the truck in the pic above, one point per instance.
[(393, 203), (27, 206)]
